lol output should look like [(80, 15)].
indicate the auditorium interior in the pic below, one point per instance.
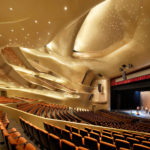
[(75, 75)]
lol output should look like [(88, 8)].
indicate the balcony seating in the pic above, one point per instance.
[(6, 100)]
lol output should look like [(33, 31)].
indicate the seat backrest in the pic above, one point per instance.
[(66, 134), (74, 129), (88, 129), (107, 139), (132, 140), (90, 143), (54, 142), (29, 146), (77, 139), (122, 143), (95, 136), (82, 148), (68, 127), (107, 133), (83, 132), (58, 131), (146, 143), (96, 131), (140, 147), (117, 136), (66, 145), (107, 146)]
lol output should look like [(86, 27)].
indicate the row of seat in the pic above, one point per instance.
[(114, 120), (47, 140), (53, 111), (13, 139), (5, 100), (93, 139)]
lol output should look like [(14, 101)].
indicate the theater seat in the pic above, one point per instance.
[(140, 138), (74, 129), (140, 147), (146, 143), (54, 142), (26, 146), (132, 141), (82, 148), (44, 138), (117, 136), (83, 132), (66, 134), (88, 129), (122, 143), (58, 131), (96, 131), (95, 136), (67, 145), (68, 127), (29, 147), (107, 139), (121, 148), (91, 143), (107, 146), (77, 139)]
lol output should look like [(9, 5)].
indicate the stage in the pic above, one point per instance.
[(142, 113)]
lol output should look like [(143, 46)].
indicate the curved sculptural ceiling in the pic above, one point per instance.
[(99, 35)]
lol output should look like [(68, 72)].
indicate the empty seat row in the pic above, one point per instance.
[(47, 140), (96, 140)]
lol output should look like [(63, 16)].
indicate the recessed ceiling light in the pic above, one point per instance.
[(49, 22), (0, 35), (11, 9), (28, 34), (48, 33), (22, 29), (12, 30), (10, 40), (36, 21), (16, 39), (65, 8)]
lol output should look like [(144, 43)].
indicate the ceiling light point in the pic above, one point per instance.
[(22, 29), (11, 9), (28, 34), (0, 35), (65, 8), (48, 33), (36, 21), (12, 30), (37, 32), (49, 22)]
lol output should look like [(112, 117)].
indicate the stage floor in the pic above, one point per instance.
[(142, 114)]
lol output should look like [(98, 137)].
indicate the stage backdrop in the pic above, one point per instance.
[(145, 99)]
